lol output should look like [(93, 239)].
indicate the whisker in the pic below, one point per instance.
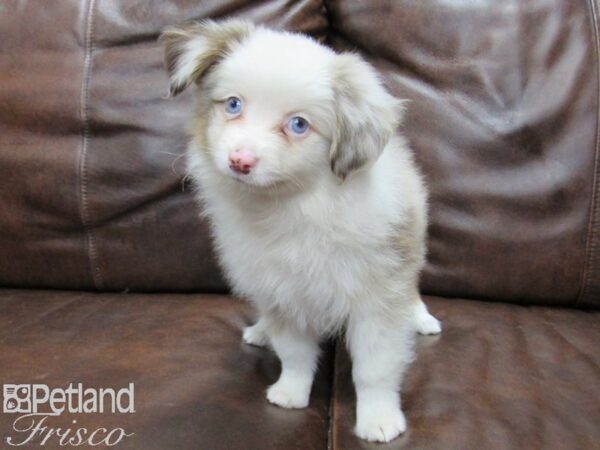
[(174, 161)]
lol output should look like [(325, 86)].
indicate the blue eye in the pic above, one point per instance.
[(298, 125), (233, 105)]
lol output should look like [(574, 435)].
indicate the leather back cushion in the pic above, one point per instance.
[(502, 117), (91, 167)]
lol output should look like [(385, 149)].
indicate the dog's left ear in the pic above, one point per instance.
[(366, 114), (192, 49)]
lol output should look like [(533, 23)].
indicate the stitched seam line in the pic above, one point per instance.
[(332, 411), (85, 137), (332, 408), (592, 235)]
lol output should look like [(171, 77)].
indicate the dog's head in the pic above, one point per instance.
[(275, 107)]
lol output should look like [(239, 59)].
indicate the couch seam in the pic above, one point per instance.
[(594, 207), (84, 208), (331, 411)]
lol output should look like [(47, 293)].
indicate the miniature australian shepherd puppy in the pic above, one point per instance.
[(317, 209)]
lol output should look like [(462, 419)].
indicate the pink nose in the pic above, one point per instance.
[(241, 162)]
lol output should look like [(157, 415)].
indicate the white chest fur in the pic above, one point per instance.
[(317, 256)]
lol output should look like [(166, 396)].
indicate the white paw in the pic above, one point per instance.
[(255, 335), (288, 395), (427, 324), (381, 428)]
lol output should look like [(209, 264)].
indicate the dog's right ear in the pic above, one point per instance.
[(192, 49)]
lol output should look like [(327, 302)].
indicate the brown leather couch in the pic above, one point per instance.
[(108, 276)]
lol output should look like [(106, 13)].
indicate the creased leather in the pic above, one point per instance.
[(502, 116), (112, 138), (197, 386), (499, 377)]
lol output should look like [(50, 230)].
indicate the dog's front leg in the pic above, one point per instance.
[(298, 352), (381, 349)]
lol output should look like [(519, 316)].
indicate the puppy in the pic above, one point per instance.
[(317, 209)]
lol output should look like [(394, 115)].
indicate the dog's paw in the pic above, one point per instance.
[(383, 427), (427, 324), (255, 335), (288, 395)]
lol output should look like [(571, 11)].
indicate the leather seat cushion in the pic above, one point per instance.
[(196, 384), (499, 376)]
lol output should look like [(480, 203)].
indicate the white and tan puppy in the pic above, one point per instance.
[(317, 209)]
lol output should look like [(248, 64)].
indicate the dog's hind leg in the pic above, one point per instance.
[(256, 334), (424, 321)]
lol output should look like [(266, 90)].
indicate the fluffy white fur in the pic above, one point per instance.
[(327, 231)]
